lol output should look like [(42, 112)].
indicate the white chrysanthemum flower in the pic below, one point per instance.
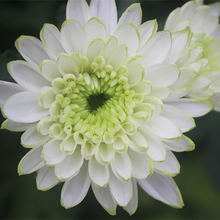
[(203, 53), (94, 102)]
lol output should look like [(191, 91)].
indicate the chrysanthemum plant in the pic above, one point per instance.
[(103, 102)]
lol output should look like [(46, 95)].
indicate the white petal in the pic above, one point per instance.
[(146, 30), (180, 40), (26, 76), (162, 188), (16, 126), (164, 128), (193, 107), (139, 71), (133, 14), (50, 36), (7, 89), (128, 34), (121, 191), (118, 56), (169, 167), (95, 28), (31, 137), (104, 197), (73, 37), (180, 118), (156, 150), (78, 10), (32, 50), (49, 70), (70, 166), (107, 12), (122, 165), (160, 92), (162, 74), (99, 173), (173, 19), (141, 164), (75, 189), (31, 161), (95, 49), (133, 204), (156, 48), (46, 178), (183, 144), (51, 153), (110, 46), (105, 152), (23, 107)]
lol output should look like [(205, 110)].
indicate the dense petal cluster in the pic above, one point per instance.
[(101, 103), (202, 54)]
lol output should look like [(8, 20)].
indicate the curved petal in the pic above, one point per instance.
[(107, 12), (70, 166), (52, 154), (31, 162), (162, 188), (78, 10), (104, 197), (156, 48), (99, 173), (7, 89), (121, 191), (133, 14), (46, 178), (51, 38), (32, 50), (26, 76), (75, 189), (73, 37), (23, 107)]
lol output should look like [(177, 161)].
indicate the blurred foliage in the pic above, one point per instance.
[(199, 180)]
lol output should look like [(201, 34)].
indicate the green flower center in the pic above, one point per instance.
[(96, 101)]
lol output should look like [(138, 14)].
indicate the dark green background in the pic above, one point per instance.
[(199, 180)]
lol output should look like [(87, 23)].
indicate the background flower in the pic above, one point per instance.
[(79, 208)]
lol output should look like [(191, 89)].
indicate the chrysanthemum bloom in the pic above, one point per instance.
[(94, 102), (203, 53)]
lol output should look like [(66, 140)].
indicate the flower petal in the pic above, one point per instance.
[(32, 50), (164, 128), (52, 154), (78, 10), (107, 12), (128, 34), (75, 189), (104, 197), (46, 178), (95, 28), (133, 204), (69, 166), (193, 107), (73, 37), (122, 165), (133, 14), (50, 36), (23, 107), (141, 164), (162, 188), (169, 167), (99, 173), (16, 126), (162, 74), (183, 144), (31, 137), (7, 89), (31, 162), (180, 118), (156, 48), (26, 76), (121, 191), (146, 30)]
